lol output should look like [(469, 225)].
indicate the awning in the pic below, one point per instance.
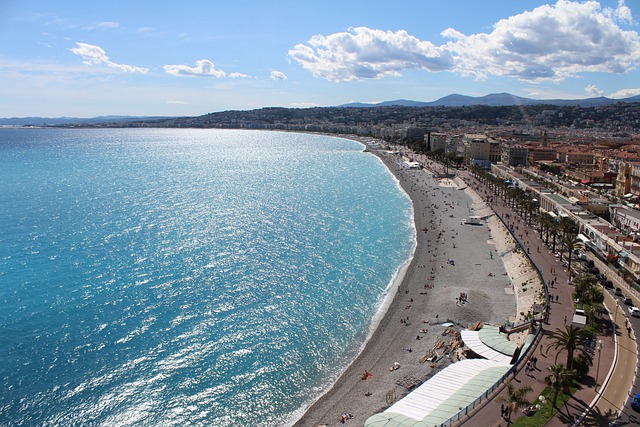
[(624, 254), (552, 214), (628, 195), (585, 181), (584, 238)]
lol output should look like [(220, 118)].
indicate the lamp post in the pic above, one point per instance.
[(599, 348), (615, 324), (539, 406)]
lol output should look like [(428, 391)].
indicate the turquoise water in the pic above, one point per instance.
[(187, 277)]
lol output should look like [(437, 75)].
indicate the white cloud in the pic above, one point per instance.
[(176, 102), (95, 55), (104, 25), (368, 53), (551, 42), (625, 93), (278, 75), (593, 91), (203, 68), (303, 105), (623, 13), (237, 75)]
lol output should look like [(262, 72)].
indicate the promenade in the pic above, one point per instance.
[(614, 365)]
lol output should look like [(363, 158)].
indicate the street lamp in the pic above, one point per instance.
[(599, 348), (539, 406), (615, 324)]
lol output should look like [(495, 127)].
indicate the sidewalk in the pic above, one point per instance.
[(552, 269)]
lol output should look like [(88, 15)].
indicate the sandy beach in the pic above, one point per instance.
[(450, 259)]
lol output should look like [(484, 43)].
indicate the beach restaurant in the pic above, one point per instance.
[(460, 387)]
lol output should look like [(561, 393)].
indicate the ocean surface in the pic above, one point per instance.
[(154, 277)]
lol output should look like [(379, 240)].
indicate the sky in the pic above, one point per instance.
[(188, 58)]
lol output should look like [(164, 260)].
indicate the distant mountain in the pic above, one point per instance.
[(495, 100), (397, 102), (57, 121)]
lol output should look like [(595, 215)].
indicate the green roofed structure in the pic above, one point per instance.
[(447, 395)]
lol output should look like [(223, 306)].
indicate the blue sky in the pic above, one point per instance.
[(184, 58)]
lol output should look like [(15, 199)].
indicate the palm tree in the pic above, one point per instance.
[(587, 291), (590, 294), (571, 243), (448, 159), (567, 226), (515, 399), (554, 227), (558, 379), (543, 221), (569, 339), (529, 206)]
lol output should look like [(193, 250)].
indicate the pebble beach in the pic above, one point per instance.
[(460, 275)]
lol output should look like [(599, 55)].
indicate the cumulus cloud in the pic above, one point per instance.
[(368, 53), (203, 68), (592, 90), (551, 42), (95, 55), (625, 93), (278, 75), (623, 13)]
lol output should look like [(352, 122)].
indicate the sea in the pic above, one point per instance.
[(188, 277)]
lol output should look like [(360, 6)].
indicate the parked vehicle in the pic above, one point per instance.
[(634, 311), (607, 284), (628, 301), (635, 403), (618, 292)]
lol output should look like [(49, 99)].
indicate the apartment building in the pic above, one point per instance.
[(481, 150)]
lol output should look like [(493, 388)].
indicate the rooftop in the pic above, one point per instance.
[(443, 396)]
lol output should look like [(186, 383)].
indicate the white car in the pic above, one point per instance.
[(634, 311)]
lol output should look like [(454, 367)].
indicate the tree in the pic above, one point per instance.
[(571, 243), (589, 294), (555, 229), (559, 379), (515, 399), (448, 159), (583, 285), (547, 223), (567, 226), (569, 339)]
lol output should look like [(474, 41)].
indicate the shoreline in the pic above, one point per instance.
[(424, 295)]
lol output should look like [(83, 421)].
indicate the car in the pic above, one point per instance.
[(618, 292), (628, 301), (634, 311), (635, 403), (608, 284)]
